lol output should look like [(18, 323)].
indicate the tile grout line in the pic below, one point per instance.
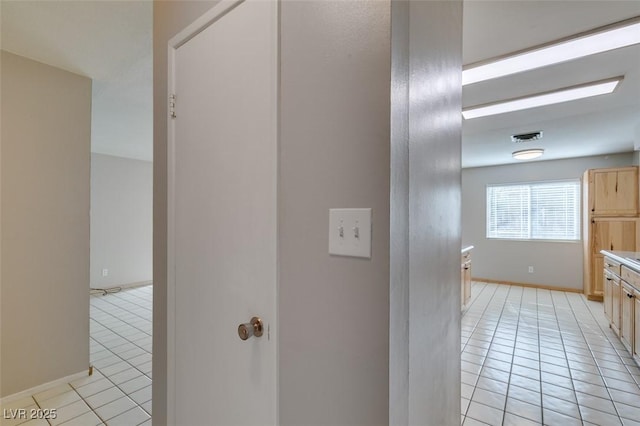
[(626, 366), (515, 339), (596, 362), (488, 303), (127, 362), (563, 321), (103, 421), (122, 337), (475, 386), (129, 324), (539, 352), (482, 315), (474, 299), (564, 349)]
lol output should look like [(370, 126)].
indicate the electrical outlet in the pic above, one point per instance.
[(105, 272), (531, 269)]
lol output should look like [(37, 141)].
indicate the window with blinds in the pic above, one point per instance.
[(534, 211)]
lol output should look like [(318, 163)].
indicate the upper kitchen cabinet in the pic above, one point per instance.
[(610, 220), (613, 192), (618, 233)]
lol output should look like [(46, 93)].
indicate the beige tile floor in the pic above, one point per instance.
[(529, 357), (119, 391), (532, 356)]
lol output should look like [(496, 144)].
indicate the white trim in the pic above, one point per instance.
[(276, 110), (136, 284), (43, 387), (171, 318), (199, 25), (123, 286)]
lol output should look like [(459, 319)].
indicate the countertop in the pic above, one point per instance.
[(468, 248), (631, 259)]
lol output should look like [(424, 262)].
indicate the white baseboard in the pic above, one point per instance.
[(128, 285), (137, 284), (41, 388)]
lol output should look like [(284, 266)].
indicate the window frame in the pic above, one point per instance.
[(577, 181)]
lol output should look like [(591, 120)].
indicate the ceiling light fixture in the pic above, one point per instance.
[(602, 39), (572, 93), (528, 154)]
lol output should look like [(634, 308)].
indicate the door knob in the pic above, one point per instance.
[(248, 329)]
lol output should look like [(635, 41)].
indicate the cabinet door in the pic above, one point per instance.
[(636, 327), (467, 283), (615, 192), (613, 234), (615, 305), (604, 190), (627, 191), (462, 297), (626, 316), (607, 295), (596, 286)]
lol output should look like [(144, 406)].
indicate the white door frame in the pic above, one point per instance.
[(199, 25)]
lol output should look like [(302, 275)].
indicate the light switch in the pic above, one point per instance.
[(350, 232)]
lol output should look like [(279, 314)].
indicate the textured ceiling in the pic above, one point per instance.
[(108, 41), (111, 42), (600, 125)]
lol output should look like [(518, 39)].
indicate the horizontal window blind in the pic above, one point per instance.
[(534, 211)]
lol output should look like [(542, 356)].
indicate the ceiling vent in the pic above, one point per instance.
[(527, 137)]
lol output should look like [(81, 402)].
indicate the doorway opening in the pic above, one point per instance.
[(111, 44)]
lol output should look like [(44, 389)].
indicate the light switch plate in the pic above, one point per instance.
[(350, 232)]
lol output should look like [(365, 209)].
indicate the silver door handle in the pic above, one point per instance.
[(248, 329)]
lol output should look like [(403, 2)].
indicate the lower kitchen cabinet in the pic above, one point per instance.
[(608, 289), (616, 289), (627, 320), (465, 278), (636, 327), (621, 288)]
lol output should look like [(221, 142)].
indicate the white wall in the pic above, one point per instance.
[(121, 220), (334, 152), (556, 264), (46, 134), (425, 213)]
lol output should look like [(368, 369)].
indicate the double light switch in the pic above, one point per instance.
[(350, 232)]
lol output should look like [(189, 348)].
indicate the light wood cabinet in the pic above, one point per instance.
[(620, 234), (622, 301), (465, 278), (597, 284), (616, 289), (614, 234), (610, 220), (611, 273), (627, 306), (636, 327), (614, 192), (608, 292), (611, 232)]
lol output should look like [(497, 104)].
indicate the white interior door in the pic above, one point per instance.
[(222, 216)]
